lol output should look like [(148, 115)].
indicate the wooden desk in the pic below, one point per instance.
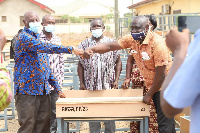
[(118, 104)]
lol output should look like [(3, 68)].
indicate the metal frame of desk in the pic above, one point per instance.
[(64, 128)]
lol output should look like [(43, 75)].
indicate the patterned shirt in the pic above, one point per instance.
[(56, 61), (31, 71), (152, 53), (99, 72)]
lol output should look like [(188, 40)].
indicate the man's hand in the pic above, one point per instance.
[(126, 83), (61, 94), (147, 99), (79, 52), (115, 84), (82, 87), (176, 40), (87, 53)]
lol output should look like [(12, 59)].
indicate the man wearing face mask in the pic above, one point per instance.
[(56, 62), (101, 71), (152, 58), (32, 77), (133, 73)]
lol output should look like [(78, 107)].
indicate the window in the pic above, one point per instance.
[(61, 21), (21, 18), (3, 19)]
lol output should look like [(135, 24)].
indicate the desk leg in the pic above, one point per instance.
[(60, 122), (141, 126), (66, 127), (146, 124), (67, 123)]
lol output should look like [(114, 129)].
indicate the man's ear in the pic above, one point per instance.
[(25, 24), (104, 28), (147, 27), (42, 24)]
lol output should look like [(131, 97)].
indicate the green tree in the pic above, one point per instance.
[(129, 14), (64, 17), (110, 16), (75, 20), (86, 20)]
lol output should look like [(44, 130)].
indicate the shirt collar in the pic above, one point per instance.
[(90, 39), (44, 36), (31, 32), (147, 38)]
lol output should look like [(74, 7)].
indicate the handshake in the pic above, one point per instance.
[(85, 54)]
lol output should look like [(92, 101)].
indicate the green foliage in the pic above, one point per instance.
[(109, 16), (86, 20), (108, 28), (128, 14), (64, 17), (75, 20)]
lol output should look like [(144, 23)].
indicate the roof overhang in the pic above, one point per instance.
[(143, 3), (44, 7)]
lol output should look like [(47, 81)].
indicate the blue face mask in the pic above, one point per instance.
[(50, 28), (138, 36), (34, 27)]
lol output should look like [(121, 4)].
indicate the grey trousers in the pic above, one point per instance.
[(95, 127), (53, 120), (33, 113)]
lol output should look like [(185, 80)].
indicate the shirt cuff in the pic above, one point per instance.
[(68, 49)]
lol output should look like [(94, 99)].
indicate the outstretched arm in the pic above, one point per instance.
[(105, 47)]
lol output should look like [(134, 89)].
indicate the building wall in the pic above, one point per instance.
[(79, 28), (95, 10), (13, 9), (186, 6)]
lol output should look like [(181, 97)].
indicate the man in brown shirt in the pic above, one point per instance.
[(153, 59)]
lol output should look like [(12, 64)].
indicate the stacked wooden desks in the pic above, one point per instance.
[(115, 104)]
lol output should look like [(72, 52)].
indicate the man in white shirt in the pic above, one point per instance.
[(181, 86)]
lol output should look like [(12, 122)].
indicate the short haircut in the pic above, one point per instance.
[(96, 19), (45, 17), (153, 20), (20, 30)]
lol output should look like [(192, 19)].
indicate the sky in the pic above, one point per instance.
[(122, 4)]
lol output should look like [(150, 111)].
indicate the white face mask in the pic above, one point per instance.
[(34, 26), (49, 28), (97, 33)]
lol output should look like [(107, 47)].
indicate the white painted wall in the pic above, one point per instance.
[(78, 28), (13, 9)]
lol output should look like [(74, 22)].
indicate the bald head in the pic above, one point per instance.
[(47, 17), (140, 24), (29, 14), (30, 17), (97, 20), (141, 21), (48, 20)]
